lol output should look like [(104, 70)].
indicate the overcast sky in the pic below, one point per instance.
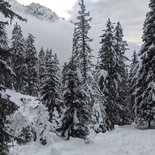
[(131, 14)]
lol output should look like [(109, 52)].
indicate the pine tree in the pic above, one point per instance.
[(145, 75), (3, 37), (131, 87), (5, 76), (107, 77), (81, 36), (18, 60), (76, 116), (42, 125), (7, 12), (82, 55), (42, 67), (133, 64), (6, 106), (31, 63), (120, 47), (50, 90)]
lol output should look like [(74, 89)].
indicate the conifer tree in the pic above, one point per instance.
[(3, 55), (107, 77), (50, 90), (82, 55), (6, 106), (81, 33), (120, 47), (132, 80), (31, 63), (76, 116), (18, 59), (3, 37), (42, 67), (133, 64), (145, 75)]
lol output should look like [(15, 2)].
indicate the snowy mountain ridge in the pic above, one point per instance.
[(35, 10)]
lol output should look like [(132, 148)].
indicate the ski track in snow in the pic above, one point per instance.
[(126, 140)]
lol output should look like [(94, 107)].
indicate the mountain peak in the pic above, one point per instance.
[(41, 12), (35, 10)]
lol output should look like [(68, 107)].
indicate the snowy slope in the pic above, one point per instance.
[(49, 30), (125, 140), (25, 106), (34, 9)]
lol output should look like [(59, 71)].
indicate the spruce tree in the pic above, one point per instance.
[(107, 76), (6, 106), (50, 90), (3, 37), (18, 60), (31, 64), (132, 80), (4, 54), (120, 48), (82, 55), (76, 116), (42, 67), (145, 75), (133, 64), (81, 34)]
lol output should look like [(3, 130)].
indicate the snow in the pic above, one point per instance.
[(26, 105), (35, 10), (126, 140)]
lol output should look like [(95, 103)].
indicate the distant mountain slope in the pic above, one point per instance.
[(34, 9), (49, 30)]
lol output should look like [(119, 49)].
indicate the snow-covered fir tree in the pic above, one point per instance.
[(82, 55), (3, 36), (120, 48), (131, 84), (42, 67), (144, 107), (42, 125), (81, 35), (98, 107), (6, 79), (50, 89), (25, 129), (107, 76), (76, 117), (133, 64), (6, 106), (32, 66), (20, 128), (18, 59)]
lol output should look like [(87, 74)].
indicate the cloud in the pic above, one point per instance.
[(56, 36)]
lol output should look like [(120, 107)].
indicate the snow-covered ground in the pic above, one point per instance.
[(125, 140)]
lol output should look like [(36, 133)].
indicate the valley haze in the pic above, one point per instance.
[(58, 34)]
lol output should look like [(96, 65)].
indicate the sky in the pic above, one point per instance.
[(130, 13)]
